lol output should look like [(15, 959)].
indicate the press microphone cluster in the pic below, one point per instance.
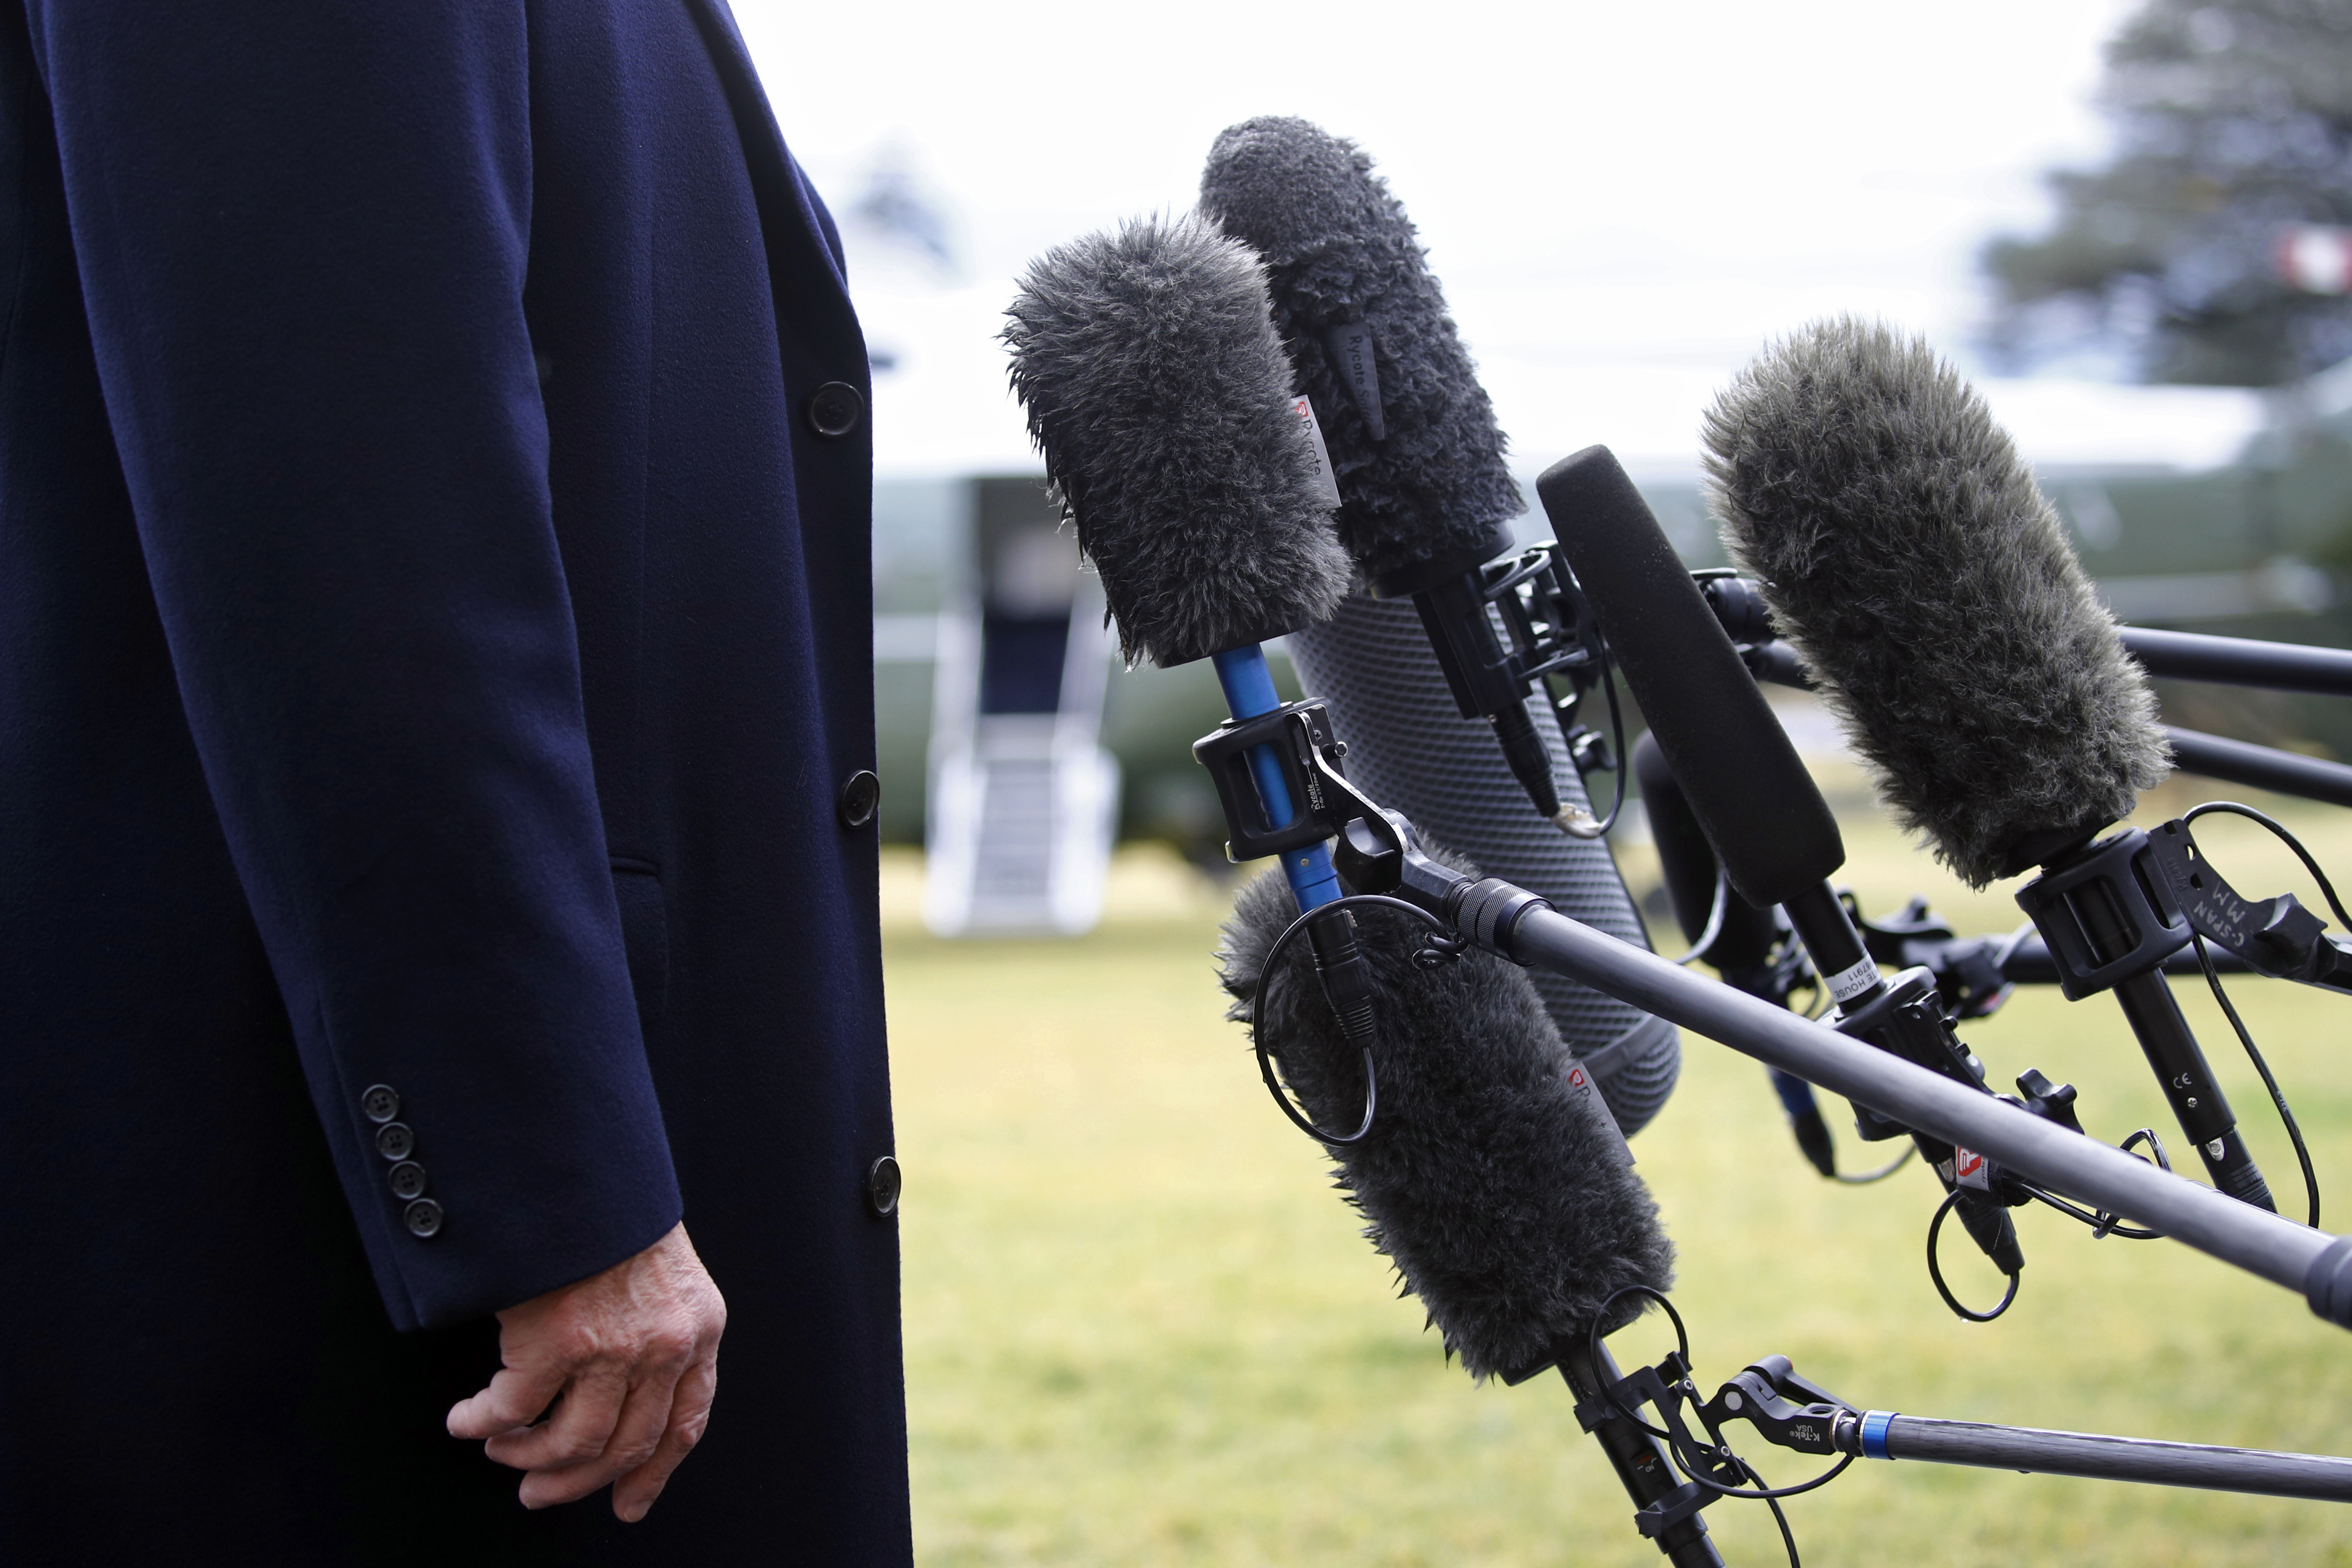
[(1488, 1171), (1436, 676), (1158, 393), (1907, 556)]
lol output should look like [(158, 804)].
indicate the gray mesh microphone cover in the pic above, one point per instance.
[(1410, 749)]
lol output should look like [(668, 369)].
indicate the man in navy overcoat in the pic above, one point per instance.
[(437, 843)]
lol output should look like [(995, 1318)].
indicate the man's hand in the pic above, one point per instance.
[(633, 1354)]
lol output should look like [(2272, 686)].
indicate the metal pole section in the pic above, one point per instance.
[(2316, 1476), (2276, 1248), (2263, 767), (2241, 661)]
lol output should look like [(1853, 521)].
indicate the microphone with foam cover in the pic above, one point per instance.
[(1494, 1178), (1926, 584), (1910, 559), (1425, 493), (1770, 827), (1158, 393)]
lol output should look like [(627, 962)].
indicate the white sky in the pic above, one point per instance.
[(1622, 201)]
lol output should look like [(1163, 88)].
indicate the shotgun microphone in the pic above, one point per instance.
[(1417, 678), (1761, 812), (1907, 555)]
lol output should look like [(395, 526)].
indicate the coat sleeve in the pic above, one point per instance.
[(302, 230)]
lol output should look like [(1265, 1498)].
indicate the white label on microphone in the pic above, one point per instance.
[(1580, 1084), (1848, 984), (1969, 1169), (1325, 480)]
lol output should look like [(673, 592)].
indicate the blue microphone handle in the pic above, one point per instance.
[(1339, 962), (1249, 692)]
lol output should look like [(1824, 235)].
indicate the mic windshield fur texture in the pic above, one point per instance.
[(1501, 1193), (1160, 395), (1909, 557), (1338, 251)]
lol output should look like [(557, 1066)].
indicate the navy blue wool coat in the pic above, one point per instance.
[(435, 631)]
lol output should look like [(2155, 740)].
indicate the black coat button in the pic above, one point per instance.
[(407, 1180), (423, 1219), (395, 1140), (836, 409), (860, 793), (882, 1183), (379, 1102)]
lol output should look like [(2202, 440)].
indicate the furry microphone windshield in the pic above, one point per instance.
[(1500, 1188), (1412, 438), (1908, 556), (1158, 393)]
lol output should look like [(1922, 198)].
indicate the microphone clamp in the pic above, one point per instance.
[(1298, 736), (1374, 851)]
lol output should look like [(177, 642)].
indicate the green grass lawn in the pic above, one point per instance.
[(1141, 1329)]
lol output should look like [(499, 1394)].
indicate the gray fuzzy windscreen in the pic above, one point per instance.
[(1340, 250), (1159, 394), (1501, 1194), (1908, 556)]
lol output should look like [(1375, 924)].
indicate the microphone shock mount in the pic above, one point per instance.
[(1500, 628), (2109, 916)]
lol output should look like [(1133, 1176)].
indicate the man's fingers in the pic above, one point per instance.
[(690, 1413), (578, 1430), (643, 1419), (514, 1398), (615, 1347)]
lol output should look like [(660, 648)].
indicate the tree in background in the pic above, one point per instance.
[(2235, 119)]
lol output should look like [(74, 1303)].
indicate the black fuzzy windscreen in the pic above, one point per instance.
[(1159, 394), (1340, 249), (1501, 1193), (1909, 557)]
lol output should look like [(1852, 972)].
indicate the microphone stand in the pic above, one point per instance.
[(2182, 656), (2241, 661), (1905, 1016)]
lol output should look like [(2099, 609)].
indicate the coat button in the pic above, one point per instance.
[(379, 1102), (407, 1180), (882, 1183), (860, 793), (836, 409), (423, 1219), (395, 1140)]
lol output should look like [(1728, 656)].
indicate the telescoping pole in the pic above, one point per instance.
[(2276, 1248), (1884, 1434)]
